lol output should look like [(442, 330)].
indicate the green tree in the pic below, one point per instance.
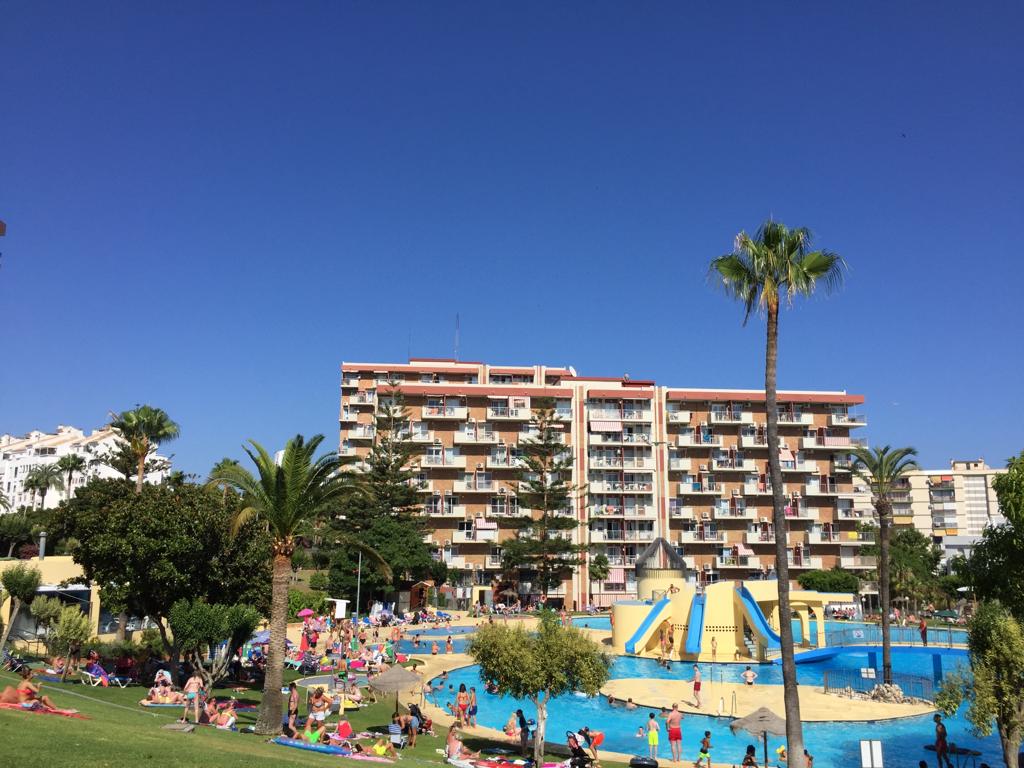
[(210, 634), (834, 580), (542, 550), (5, 503), (382, 507), (913, 564), (600, 568), (43, 478), (73, 629), (536, 666), (15, 530), (143, 429), (69, 465), (122, 460), (994, 690), (883, 469), (283, 498), (763, 272), (147, 551), (46, 611), (20, 584)]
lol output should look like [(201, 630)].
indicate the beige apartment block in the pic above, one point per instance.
[(689, 465), (952, 506)]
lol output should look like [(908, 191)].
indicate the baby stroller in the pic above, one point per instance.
[(309, 665), (578, 757)]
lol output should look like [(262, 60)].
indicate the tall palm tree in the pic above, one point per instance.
[(31, 485), (69, 465), (286, 497), (882, 469), (143, 428), (764, 272), (43, 478)]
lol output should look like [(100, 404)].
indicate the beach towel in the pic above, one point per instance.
[(41, 710)]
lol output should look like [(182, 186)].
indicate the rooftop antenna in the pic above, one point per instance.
[(456, 337)]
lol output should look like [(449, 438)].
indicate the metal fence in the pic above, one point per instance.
[(942, 637), (864, 681)]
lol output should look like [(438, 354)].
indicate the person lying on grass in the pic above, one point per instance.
[(455, 749), (225, 719), (162, 693)]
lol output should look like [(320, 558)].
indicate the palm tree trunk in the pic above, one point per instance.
[(791, 696), (140, 473), (122, 622), (884, 509), (269, 720), (540, 732)]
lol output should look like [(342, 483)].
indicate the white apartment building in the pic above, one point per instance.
[(20, 455), (952, 506)]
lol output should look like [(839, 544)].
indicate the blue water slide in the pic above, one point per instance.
[(695, 630), (648, 625), (758, 621)]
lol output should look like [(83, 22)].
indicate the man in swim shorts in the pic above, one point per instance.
[(652, 736), (696, 685), (674, 726), (593, 739)]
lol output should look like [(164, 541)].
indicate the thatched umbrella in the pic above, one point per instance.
[(395, 680), (760, 722)]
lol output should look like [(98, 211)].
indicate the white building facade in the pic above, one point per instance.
[(20, 455)]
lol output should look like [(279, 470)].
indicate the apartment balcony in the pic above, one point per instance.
[(637, 415), (847, 420), (693, 440), (505, 413), (805, 562), (361, 432), (690, 562), (475, 486), (616, 510), (477, 437), (443, 462), (446, 510), (417, 437), (349, 382), (737, 561), (619, 438), (347, 452), (445, 412), (759, 537), (754, 441), (821, 489), (456, 562), (504, 462), (733, 465), (789, 419), (700, 489), (618, 486), (801, 512), (628, 414), (475, 536), (620, 535), (735, 513), (615, 462), (679, 417), (857, 562), (348, 416), (364, 397), (492, 562), (842, 464), (759, 489), (678, 511), (851, 513), (838, 443), (679, 465), (701, 537), (732, 417)]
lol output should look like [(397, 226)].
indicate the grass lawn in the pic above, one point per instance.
[(121, 733)]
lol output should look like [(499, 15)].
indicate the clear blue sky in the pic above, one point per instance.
[(211, 205)]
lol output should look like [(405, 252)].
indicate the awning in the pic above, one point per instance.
[(486, 525), (785, 454), (743, 549), (616, 575), (606, 426)]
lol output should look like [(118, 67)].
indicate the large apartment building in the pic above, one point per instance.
[(952, 506), (19, 455), (689, 465)]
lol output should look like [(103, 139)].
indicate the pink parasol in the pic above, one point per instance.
[(304, 613)]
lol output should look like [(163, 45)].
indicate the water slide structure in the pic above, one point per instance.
[(757, 620), (658, 613), (695, 628)]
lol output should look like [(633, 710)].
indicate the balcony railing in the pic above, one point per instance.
[(848, 420), (839, 442), (857, 561), (692, 537), (704, 487), (512, 414), (361, 432), (349, 382), (434, 460), (696, 439), (475, 436), (457, 412), (679, 417), (738, 561), (363, 398)]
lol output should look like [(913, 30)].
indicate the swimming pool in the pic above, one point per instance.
[(592, 622), (832, 743)]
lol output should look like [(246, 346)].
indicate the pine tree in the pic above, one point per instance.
[(384, 509), (542, 550)]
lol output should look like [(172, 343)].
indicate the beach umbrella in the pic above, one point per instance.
[(304, 613), (261, 637), (395, 680), (760, 722)]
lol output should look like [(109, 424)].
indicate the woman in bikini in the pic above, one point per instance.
[(26, 694), (293, 704), (192, 690), (462, 699)]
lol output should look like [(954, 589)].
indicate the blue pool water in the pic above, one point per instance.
[(592, 622), (832, 744)]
